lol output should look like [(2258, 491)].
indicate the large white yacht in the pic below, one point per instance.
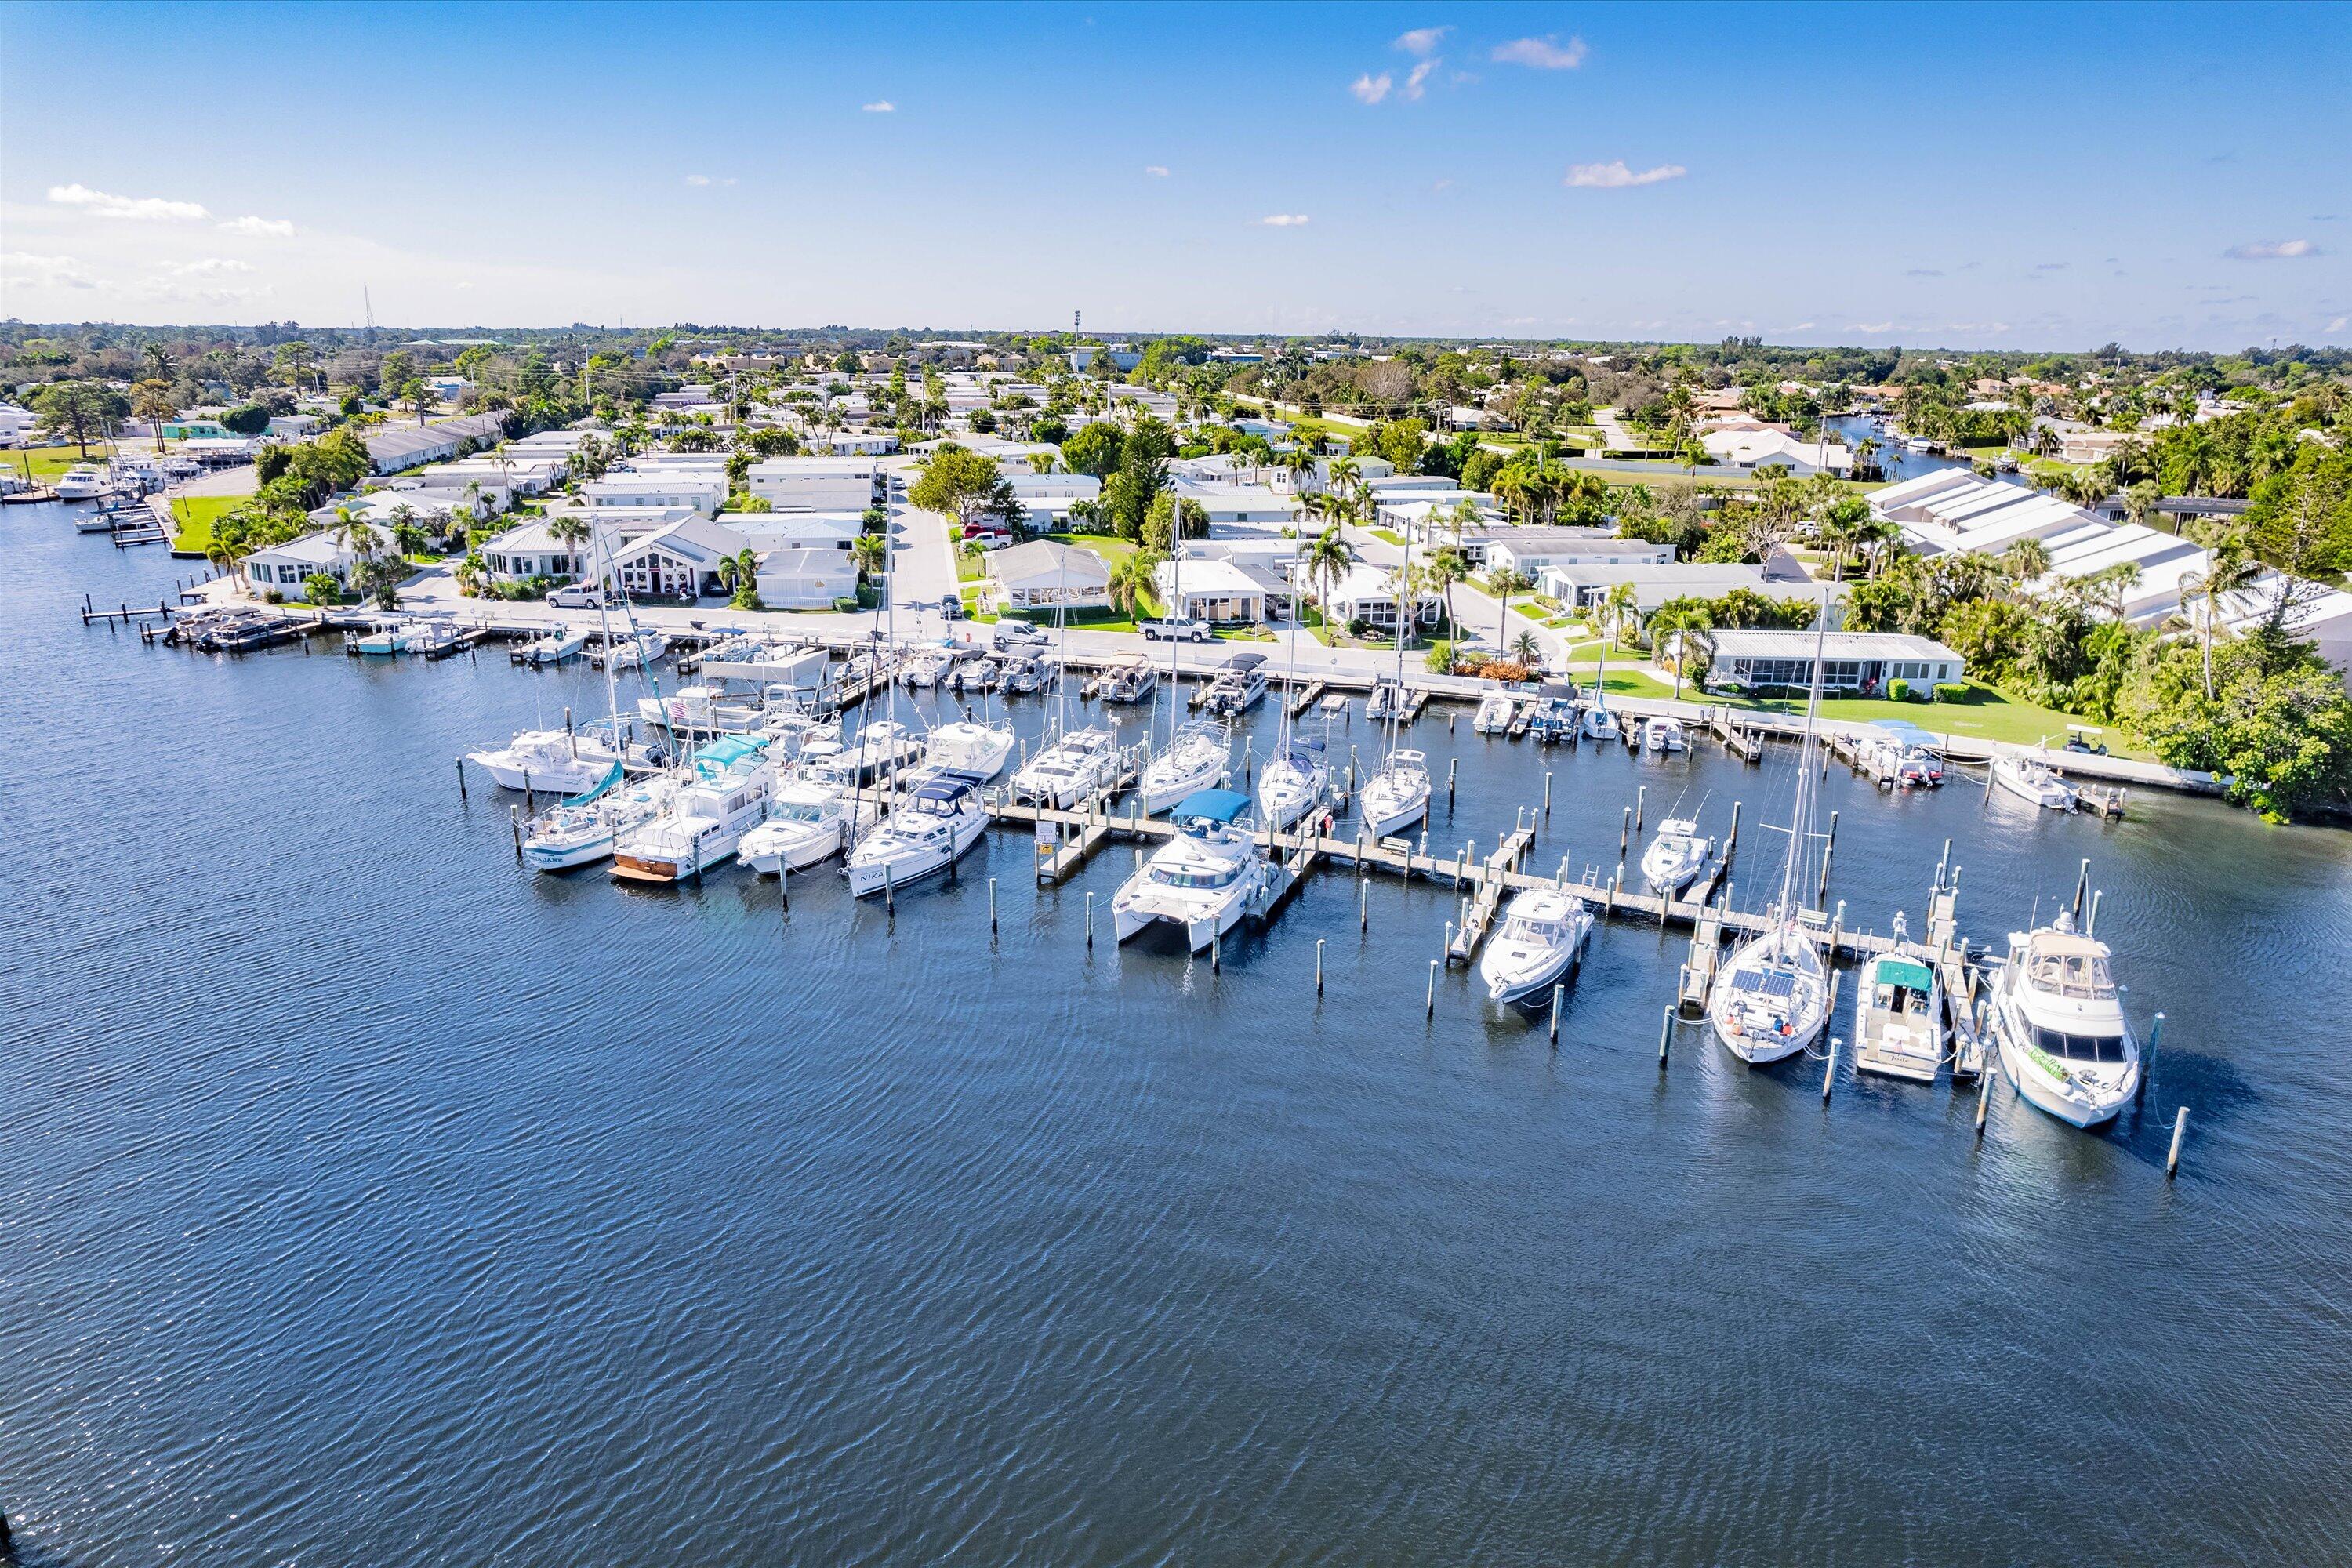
[(1675, 857), (82, 482), (2057, 1015), (553, 761), (968, 746), (1296, 782), (929, 833), (724, 797), (1210, 875), (1396, 797), (1080, 766), (1199, 756), (807, 821), (1541, 939)]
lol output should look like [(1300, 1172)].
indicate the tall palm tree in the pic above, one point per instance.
[(1131, 580), (1502, 582), (1446, 568), (1621, 607), (1677, 625), (2230, 568), (2028, 560), (2141, 501), (2085, 487), (1323, 561)]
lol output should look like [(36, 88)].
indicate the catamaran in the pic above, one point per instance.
[(724, 797), (1210, 876), (1898, 1012), (1541, 939), (2059, 1018), (929, 833), (1770, 998), (1675, 857)]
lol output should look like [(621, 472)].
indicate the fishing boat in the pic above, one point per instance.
[(1386, 701), (1238, 685), (1295, 782), (1396, 796), (1664, 734), (389, 637), (808, 819), (80, 482), (700, 707), (1210, 876), (2059, 1019), (968, 747), (928, 834), (1130, 678), (1558, 717), (1898, 1012), (973, 675), (1770, 998), (557, 762), (581, 831), (100, 521), (638, 649), (1080, 766), (1197, 757), (1022, 674), (724, 796), (1918, 768), (1675, 857), (554, 645), (2030, 778), (1542, 937), (923, 668), (1495, 711)]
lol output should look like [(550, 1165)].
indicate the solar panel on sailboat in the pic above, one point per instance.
[(1770, 982)]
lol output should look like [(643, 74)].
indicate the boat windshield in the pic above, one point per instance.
[(2076, 972), (1526, 928), (1194, 876), (2080, 1048), (799, 812)]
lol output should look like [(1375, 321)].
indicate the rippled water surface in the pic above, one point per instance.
[(363, 1199)]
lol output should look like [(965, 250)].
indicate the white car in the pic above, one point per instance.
[(1178, 630), (578, 596)]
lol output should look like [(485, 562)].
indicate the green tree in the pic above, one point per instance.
[(1323, 561), (954, 477), (79, 411)]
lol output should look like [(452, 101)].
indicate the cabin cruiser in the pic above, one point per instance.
[(2030, 778), (1665, 734), (1898, 1013), (1209, 876), (557, 761), (1770, 998), (1396, 797), (724, 796), (1080, 766), (930, 832), (808, 819), (924, 667), (80, 482), (1495, 711), (698, 708), (1129, 679), (973, 675), (1675, 857), (789, 731), (1541, 939), (882, 746), (967, 746), (1239, 683), (1022, 674), (640, 648), (1199, 757), (582, 830), (2059, 1019), (554, 645), (1295, 785)]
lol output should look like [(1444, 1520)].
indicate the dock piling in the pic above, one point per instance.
[(1829, 1070), (991, 906), (1557, 993), (1640, 804), (1217, 953), (461, 779), (2091, 926), (1318, 965), (1625, 833), (514, 821), (2179, 1130), (1364, 900), (784, 884), (1090, 920), (1452, 764), (1984, 1100), (1666, 1037), (1430, 1010)]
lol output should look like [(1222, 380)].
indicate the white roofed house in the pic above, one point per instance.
[(1529, 550), (805, 578), (1239, 506), (282, 569), (1753, 446), (620, 493), (1030, 485), (819, 484), (677, 562), (1368, 593), (1862, 662), (1046, 572), (533, 549), (1209, 590)]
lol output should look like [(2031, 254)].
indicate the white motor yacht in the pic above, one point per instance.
[(80, 482), (573, 835), (643, 648), (554, 645), (552, 761), (929, 833), (1542, 937), (1197, 757), (1295, 783), (1675, 857), (2030, 778), (968, 746), (1665, 734), (1898, 1013), (807, 820), (1495, 713), (790, 731), (1080, 766), (724, 796), (1210, 875), (2059, 1021), (1397, 795), (884, 746)]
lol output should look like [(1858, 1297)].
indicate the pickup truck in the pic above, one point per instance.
[(1179, 630)]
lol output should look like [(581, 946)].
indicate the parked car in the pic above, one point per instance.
[(577, 596), (952, 606), (1180, 629), (1011, 635)]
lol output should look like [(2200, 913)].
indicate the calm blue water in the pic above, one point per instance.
[(366, 1199)]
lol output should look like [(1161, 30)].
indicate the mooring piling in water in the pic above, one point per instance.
[(461, 779), (1666, 1037), (1984, 1097), (2148, 1057), (1625, 833), (991, 906), (2179, 1130), (1449, 784), (1451, 765), (1090, 920), (1640, 804), (514, 820), (1364, 902), (1429, 1009), (1829, 1069), (1318, 965), (1557, 993)]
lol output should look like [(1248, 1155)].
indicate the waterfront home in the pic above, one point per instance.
[(1368, 593), (679, 561), (1370, 470), (1209, 589), (703, 492), (385, 508), (1529, 549), (1585, 587), (1749, 444), (1046, 572), (220, 451), (531, 550), (394, 448), (283, 568), (1239, 506), (819, 484), (1851, 663), (805, 578)]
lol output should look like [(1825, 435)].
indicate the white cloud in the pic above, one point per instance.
[(880, 106), (210, 267), (1283, 220), (1413, 89), (100, 204), (1614, 175), (1870, 327), (709, 180), (261, 227), (1371, 88), (1421, 40), (1547, 53), (23, 269), (2260, 250), (2338, 324), (1442, 185), (1157, 171)]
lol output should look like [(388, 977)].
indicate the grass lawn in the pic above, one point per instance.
[(1109, 546), (48, 462), (1390, 536), (197, 515), (1985, 714), (1092, 620)]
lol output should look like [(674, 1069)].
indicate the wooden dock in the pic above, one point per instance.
[(1298, 699), (1478, 910), (1742, 741)]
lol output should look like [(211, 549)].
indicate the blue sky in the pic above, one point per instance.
[(2047, 177)]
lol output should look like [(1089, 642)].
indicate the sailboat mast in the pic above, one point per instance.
[(1801, 819)]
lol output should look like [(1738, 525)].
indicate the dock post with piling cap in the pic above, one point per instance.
[(1430, 1010), (2179, 1130), (1829, 1070), (991, 906), (1557, 993), (514, 820), (1318, 965), (1640, 806), (1666, 1037)]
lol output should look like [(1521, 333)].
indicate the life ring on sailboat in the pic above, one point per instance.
[(1734, 1028)]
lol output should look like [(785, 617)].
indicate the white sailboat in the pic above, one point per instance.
[(1675, 857), (1599, 724), (1542, 937), (1898, 1012), (1770, 998), (1074, 765), (1295, 782), (2058, 1017), (1210, 876), (565, 838), (1397, 794), (927, 834), (1197, 757)]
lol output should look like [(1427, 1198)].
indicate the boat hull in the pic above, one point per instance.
[(773, 856), (867, 877), (2038, 1090), (566, 857), (1504, 989)]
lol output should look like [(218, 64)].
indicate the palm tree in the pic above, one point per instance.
[(1131, 580), (1446, 568), (1502, 582), (1621, 607), (872, 552), (1525, 649), (1323, 561), (1297, 461), (2230, 568), (1677, 625), (2085, 487), (2028, 560), (2140, 500), (570, 530)]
